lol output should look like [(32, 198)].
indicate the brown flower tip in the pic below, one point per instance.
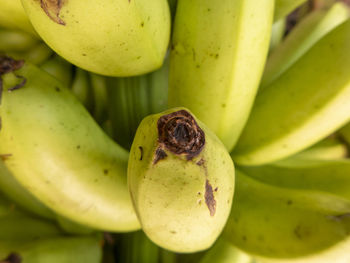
[(179, 133)]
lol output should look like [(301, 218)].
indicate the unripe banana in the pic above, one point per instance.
[(311, 29), (277, 34), (81, 87), (53, 250), (59, 153), (12, 15), (217, 58), (59, 68), (281, 224), (284, 7), (15, 40), (115, 37), (306, 104), (181, 181)]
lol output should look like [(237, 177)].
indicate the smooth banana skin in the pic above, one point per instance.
[(16, 40), (36, 55), (215, 69), (224, 252), (284, 7), (14, 191), (287, 224), (81, 88), (277, 34), (59, 68), (306, 33), (60, 250), (114, 38), (47, 135), (181, 181), (327, 149), (12, 16), (331, 176), (315, 93)]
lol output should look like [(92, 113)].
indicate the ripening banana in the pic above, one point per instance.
[(285, 7), (288, 224), (306, 33), (217, 58), (114, 37), (331, 176), (307, 103), (277, 34), (15, 40), (12, 15), (55, 150), (59, 68), (181, 181), (53, 250)]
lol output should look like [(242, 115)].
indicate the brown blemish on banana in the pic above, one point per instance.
[(141, 153), (12, 258), (179, 133), (160, 155), (52, 9), (209, 198), (4, 157)]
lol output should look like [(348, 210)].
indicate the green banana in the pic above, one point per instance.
[(60, 250), (311, 29), (331, 176), (306, 104), (287, 224), (224, 252), (36, 55), (14, 191), (99, 90), (215, 69), (12, 15), (181, 181), (284, 7), (277, 34), (59, 68), (114, 38), (56, 151), (81, 87), (15, 40)]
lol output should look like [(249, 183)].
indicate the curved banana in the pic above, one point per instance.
[(284, 7), (306, 104), (53, 250), (59, 68), (217, 58), (277, 34), (15, 40), (306, 33), (181, 181), (281, 224), (56, 151), (114, 38), (81, 88), (12, 15)]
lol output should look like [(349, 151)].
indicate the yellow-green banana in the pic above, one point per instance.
[(115, 37), (53, 250), (81, 87), (12, 15), (284, 7), (345, 133), (287, 224), (181, 181), (59, 68), (217, 58), (277, 34), (311, 29), (56, 151), (16, 40), (306, 104)]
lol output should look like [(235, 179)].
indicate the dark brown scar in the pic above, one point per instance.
[(160, 155), (209, 198), (12, 258), (179, 133), (141, 153), (4, 157), (52, 9)]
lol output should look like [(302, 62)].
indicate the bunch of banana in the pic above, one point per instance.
[(131, 39), (181, 180), (59, 154), (304, 105), (217, 59)]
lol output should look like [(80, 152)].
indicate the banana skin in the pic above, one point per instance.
[(181, 180), (59, 154)]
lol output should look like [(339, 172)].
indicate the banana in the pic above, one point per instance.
[(99, 90), (14, 191), (284, 7), (311, 29), (215, 69), (306, 104), (59, 68), (288, 224), (181, 181), (36, 55), (114, 38), (15, 40), (224, 252), (59, 154), (12, 16), (60, 250), (277, 34), (331, 176), (345, 133), (81, 88)]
